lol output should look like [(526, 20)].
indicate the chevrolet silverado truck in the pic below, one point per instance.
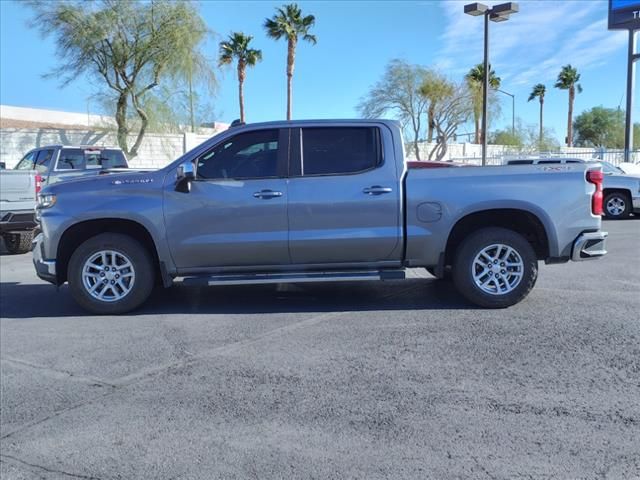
[(314, 201), (41, 166), (18, 191), (55, 163)]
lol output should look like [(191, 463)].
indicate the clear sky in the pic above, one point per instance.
[(355, 41)]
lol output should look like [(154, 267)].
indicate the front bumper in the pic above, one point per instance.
[(589, 245), (45, 269), (17, 221)]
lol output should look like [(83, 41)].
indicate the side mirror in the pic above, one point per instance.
[(185, 175)]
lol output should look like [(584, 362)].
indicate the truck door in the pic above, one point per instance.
[(235, 214), (344, 198)]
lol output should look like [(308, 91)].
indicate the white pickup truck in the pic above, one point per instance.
[(42, 166), (18, 191)]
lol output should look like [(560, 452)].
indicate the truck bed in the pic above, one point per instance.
[(436, 199)]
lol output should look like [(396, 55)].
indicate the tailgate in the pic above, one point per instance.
[(17, 190)]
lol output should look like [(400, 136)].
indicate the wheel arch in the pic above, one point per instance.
[(624, 191), (80, 232), (524, 222)]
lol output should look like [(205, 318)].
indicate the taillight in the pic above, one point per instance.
[(38, 184), (596, 177)]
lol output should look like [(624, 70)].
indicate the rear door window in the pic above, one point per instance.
[(71, 159), (104, 159), (340, 150)]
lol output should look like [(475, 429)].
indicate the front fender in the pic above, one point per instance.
[(141, 205)]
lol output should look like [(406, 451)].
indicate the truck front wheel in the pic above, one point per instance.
[(110, 273), (495, 268)]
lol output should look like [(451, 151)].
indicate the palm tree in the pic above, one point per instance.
[(289, 22), (475, 80), (538, 92), (237, 47), (568, 79)]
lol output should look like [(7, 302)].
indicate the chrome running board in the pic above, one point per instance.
[(294, 277)]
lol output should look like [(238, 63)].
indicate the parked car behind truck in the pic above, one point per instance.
[(621, 190), (310, 201), (42, 166), (55, 163), (18, 191)]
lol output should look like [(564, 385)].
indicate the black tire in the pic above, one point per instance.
[(131, 249), (619, 199), (463, 267), (18, 242)]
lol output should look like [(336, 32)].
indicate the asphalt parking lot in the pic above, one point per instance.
[(372, 380)]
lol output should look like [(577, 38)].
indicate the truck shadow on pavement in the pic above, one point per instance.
[(41, 300)]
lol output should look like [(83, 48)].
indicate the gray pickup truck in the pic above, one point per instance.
[(313, 201)]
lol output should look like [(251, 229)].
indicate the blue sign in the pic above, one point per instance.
[(624, 4), (624, 14)]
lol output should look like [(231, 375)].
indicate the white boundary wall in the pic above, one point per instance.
[(472, 152), (56, 117), (157, 150)]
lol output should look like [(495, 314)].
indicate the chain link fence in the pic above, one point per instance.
[(614, 157)]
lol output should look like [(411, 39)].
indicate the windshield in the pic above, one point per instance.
[(610, 168)]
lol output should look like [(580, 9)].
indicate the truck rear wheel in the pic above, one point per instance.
[(18, 242), (110, 273), (495, 268)]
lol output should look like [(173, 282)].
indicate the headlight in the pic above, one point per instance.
[(47, 200)]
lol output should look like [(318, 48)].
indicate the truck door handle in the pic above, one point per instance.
[(267, 194), (377, 190)]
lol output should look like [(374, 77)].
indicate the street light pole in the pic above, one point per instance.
[(499, 13), (631, 73), (485, 88), (513, 110)]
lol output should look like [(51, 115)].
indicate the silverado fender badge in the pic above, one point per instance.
[(129, 182)]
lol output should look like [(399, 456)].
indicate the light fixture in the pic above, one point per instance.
[(506, 9), (494, 17), (475, 9)]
